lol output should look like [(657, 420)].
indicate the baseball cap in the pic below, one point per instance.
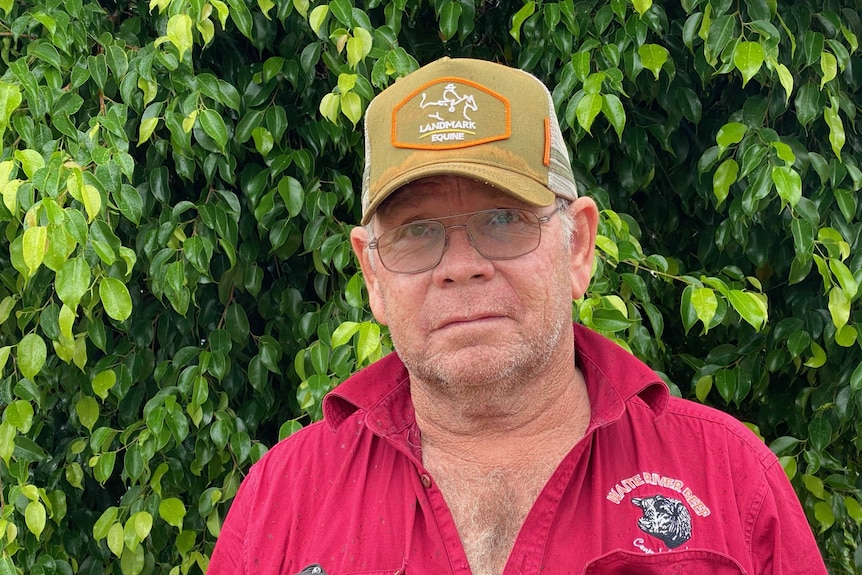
[(471, 118)]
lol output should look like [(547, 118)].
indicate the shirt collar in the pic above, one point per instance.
[(613, 377)]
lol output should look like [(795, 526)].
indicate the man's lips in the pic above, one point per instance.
[(468, 319)]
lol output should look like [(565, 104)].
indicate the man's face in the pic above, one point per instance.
[(471, 321)]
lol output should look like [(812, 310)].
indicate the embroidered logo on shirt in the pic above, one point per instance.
[(313, 569), (668, 507), (665, 518)]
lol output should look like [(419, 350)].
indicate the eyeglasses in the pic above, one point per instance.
[(497, 234)]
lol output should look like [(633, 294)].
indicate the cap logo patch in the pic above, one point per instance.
[(450, 113)]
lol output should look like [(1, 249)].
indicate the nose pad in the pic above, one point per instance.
[(448, 235)]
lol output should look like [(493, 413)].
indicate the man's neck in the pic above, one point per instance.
[(493, 430)]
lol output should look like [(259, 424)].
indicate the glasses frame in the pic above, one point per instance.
[(374, 244)]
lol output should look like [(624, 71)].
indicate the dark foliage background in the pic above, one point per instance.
[(179, 179)]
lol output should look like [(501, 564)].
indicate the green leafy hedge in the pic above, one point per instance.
[(178, 180)]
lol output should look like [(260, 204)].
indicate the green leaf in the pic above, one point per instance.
[(748, 59), (115, 540), (837, 137), (317, 17), (527, 10), (829, 67), (730, 134), (839, 307), (32, 353), (115, 298), (642, 6), (19, 414), (724, 177), (359, 46), (172, 511), (343, 333), (351, 105), (752, 307), (35, 517), (73, 281), (10, 99), (614, 111), (214, 127), (87, 410), (329, 107), (450, 14), (92, 200), (180, 33), (788, 183), (103, 382), (587, 110), (34, 247), (653, 57), (104, 522), (705, 305), (368, 345), (241, 16), (824, 515)]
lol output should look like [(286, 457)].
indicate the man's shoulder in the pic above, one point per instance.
[(713, 424)]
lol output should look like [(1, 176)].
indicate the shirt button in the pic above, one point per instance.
[(426, 481)]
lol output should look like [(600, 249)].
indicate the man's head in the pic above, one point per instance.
[(466, 251), (471, 118)]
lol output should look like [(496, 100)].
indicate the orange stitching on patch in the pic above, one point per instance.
[(546, 159), (504, 136)]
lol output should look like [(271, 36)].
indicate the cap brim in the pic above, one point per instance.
[(514, 184)]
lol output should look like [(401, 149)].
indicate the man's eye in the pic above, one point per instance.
[(418, 230), (503, 217)]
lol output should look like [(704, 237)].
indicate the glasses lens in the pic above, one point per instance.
[(505, 234), (413, 247)]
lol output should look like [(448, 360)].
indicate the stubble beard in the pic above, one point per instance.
[(485, 379)]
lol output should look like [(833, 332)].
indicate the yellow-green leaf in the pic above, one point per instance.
[(92, 201), (317, 17), (145, 130), (35, 517), (329, 107), (351, 105), (32, 353), (839, 307), (116, 543), (748, 58), (653, 57), (829, 67), (87, 410), (358, 47), (19, 414), (7, 441), (172, 511), (641, 6), (103, 382), (724, 177), (788, 183), (35, 244), (265, 6), (180, 32), (837, 136), (115, 298)]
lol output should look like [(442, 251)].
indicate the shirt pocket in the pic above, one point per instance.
[(688, 562)]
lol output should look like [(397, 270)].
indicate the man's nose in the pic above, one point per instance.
[(461, 260)]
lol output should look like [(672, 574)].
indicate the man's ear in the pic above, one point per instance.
[(359, 240), (585, 214)]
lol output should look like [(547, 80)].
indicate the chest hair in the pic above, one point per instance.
[(489, 508)]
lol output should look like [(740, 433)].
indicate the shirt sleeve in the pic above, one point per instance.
[(228, 557), (781, 540)]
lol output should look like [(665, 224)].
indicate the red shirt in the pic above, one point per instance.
[(657, 486)]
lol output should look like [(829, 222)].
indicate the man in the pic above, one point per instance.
[(500, 439)]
